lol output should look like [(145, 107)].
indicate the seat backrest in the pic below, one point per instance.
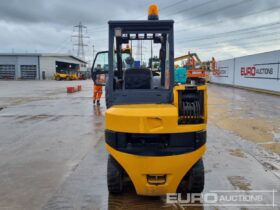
[(137, 79)]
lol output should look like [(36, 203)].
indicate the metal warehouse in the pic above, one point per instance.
[(37, 65)]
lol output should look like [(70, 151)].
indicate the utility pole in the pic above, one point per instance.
[(151, 49), (93, 52), (80, 36), (141, 52), (93, 56), (137, 54)]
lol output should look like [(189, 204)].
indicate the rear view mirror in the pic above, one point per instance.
[(100, 68), (101, 79)]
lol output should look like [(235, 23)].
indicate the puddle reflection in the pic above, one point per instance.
[(97, 110), (130, 200)]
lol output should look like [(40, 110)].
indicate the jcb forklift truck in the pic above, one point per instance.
[(155, 130)]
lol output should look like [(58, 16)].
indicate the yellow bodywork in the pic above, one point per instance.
[(154, 119), (174, 167), (73, 76), (151, 118), (60, 76), (65, 76)]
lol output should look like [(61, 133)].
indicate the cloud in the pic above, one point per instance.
[(47, 26)]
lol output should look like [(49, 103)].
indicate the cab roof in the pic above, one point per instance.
[(142, 25)]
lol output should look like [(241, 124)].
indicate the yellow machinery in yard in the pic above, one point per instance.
[(73, 76), (66, 76), (155, 129), (60, 76)]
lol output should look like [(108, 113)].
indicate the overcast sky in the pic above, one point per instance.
[(220, 28)]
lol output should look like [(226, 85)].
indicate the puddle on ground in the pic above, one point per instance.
[(26, 118), (215, 99), (97, 111), (56, 92), (20, 100), (131, 201), (239, 182), (237, 153), (55, 118), (259, 130), (269, 166), (274, 147), (31, 118)]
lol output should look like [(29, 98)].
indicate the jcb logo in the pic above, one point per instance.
[(248, 71)]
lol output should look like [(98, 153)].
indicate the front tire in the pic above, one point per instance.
[(114, 176)]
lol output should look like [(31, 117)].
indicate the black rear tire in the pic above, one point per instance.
[(114, 176), (195, 179), (193, 182)]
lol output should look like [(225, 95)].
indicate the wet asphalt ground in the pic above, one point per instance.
[(52, 154)]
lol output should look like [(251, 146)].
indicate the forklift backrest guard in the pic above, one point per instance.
[(140, 93)]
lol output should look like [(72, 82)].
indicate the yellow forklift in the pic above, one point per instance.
[(155, 129)]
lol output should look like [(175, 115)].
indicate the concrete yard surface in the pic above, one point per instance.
[(53, 155)]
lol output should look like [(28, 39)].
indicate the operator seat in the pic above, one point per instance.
[(135, 78)]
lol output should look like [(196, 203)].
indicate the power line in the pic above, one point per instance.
[(173, 4), (239, 39), (251, 46), (214, 22), (99, 29), (63, 45), (233, 33), (222, 21), (104, 28), (242, 45), (166, 7), (192, 8), (217, 10), (229, 33)]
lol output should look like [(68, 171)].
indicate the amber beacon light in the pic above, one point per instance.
[(153, 12)]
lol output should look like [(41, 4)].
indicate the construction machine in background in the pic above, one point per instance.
[(61, 76), (213, 67), (69, 75), (154, 64), (191, 56), (155, 128), (195, 69), (73, 76)]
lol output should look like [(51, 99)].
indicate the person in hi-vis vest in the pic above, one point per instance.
[(97, 89)]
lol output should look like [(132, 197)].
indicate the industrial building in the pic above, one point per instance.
[(37, 66)]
